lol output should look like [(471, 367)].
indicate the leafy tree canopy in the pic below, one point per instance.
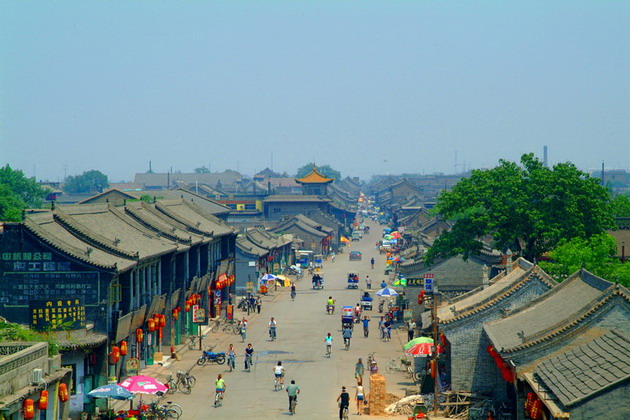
[(17, 192), (528, 208), (90, 181), (325, 170), (202, 170), (596, 254), (620, 206)]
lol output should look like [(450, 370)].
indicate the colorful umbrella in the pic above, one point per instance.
[(395, 235), (284, 281), (143, 385), (418, 340), (422, 350), (113, 391), (388, 291), (267, 277), (400, 282)]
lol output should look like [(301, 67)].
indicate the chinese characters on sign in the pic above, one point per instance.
[(428, 282), (57, 314)]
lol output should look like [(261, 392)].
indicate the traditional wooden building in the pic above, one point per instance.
[(314, 183)]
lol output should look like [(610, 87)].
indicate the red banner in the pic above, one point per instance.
[(221, 282)]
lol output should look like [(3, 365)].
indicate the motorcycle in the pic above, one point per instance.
[(330, 309), (243, 304), (211, 357)]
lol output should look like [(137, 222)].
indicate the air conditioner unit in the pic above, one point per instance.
[(37, 376)]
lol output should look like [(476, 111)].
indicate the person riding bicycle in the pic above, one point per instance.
[(272, 328), (328, 340), (330, 304), (372, 262), (249, 352), (292, 390), (347, 335), (278, 371), (344, 401), (220, 385)]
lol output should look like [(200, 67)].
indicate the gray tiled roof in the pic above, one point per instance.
[(582, 371), (547, 311)]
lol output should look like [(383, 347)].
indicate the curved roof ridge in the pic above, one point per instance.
[(138, 217), (585, 313), (255, 241), (93, 238), (62, 246), (498, 297), (189, 224)]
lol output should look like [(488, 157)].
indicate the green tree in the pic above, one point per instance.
[(325, 170), (596, 254), (17, 192), (620, 206), (528, 208), (90, 181), (202, 170)]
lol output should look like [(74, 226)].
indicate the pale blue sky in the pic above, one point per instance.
[(365, 86)]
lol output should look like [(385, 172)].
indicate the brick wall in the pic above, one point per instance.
[(377, 398)]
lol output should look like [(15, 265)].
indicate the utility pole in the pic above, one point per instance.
[(434, 366)]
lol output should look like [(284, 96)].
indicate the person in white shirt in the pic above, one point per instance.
[(278, 370)]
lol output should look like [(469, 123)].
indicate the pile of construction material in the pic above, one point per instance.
[(404, 406)]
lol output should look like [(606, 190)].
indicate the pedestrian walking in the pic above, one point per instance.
[(381, 328), (368, 282), (358, 371), (258, 303), (360, 397), (366, 324), (252, 303), (411, 327)]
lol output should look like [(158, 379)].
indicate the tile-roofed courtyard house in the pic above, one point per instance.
[(462, 320), (582, 308)]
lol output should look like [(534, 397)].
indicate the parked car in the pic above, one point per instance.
[(355, 256)]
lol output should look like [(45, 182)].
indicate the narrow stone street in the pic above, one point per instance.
[(302, 326)]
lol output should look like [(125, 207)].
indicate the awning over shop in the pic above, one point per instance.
[(225, 274)]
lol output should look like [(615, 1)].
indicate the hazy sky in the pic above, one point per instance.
[(365, 86)]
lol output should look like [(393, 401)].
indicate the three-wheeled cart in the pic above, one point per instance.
[(347, 317), (353, 280), (318, 281), (366, 301)]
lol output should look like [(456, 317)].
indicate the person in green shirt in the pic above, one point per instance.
[(292, 390)]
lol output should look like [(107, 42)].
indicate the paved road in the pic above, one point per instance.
[(302, 326)]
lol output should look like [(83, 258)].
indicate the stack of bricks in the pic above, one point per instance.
[(378, 388)]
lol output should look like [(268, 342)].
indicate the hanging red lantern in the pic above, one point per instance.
[(536, 411), (64, 396), (113, 358), (139, 335), (43, 400), (421, 297), (116, 351), (29, 409), (529, 402), (175, 314), (123, 348), (162, 321), (156, 319), (433, 365), (188, 305), (151, 325)]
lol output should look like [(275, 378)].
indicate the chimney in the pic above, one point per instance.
[(508, 263), (485, 280)]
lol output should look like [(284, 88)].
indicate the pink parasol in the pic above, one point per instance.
[(143, 385)]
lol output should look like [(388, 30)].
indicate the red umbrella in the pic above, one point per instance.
[(422, 350)]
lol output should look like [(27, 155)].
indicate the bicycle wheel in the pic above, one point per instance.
[(171, 414), (184, 387), (172, 386), (215, 328), (191, 344), (176, 408), (417, 376), (391, 367), (192, 381), (293, 404)]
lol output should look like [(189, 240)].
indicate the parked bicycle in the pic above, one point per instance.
[(193, 340), (185, 382), (399, 365)]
